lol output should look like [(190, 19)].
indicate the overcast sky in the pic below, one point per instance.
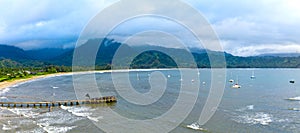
[(245, 27)]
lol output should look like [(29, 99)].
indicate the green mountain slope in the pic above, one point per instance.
[(137, 57)]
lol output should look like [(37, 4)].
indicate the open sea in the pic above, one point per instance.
[(269, 103)]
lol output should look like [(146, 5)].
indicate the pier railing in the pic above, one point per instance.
[(107, 99)]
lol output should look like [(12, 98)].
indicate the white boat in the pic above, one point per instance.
[(294, 109), (236, 85), (196, 126), (294, 99), (252, 77)]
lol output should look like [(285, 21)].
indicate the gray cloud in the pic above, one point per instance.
[(253, 27), (248, 27), (48, 23)]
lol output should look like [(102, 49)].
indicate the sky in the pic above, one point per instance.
[(244, 27)]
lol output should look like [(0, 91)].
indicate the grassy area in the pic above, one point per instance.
[(2, 79), (11, 78), (8, 74)]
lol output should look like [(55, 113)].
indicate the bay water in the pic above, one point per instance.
[(267, 103)]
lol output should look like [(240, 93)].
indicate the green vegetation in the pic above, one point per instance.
[(153, 59), (16, 63), (7, 73)]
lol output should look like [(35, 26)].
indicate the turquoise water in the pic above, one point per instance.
[(260, 104)]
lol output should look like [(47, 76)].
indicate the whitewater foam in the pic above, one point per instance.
[(96, 119), (81, 112), (248, 107), (54, 122), (4, 91), (3, 97), (26, 82), (58, 117), (36, 130), (55, 129), (255, 118), (26, 112), (51, 122), (6, 127)]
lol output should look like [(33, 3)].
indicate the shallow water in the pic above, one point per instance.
[(260, 105)]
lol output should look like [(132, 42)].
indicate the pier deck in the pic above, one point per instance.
[(108, 99)]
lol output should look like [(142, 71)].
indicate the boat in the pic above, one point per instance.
[(231, 80), (236, 85), (196, 126), (294, 99), (252, 77), (292, 81), (137, 76), (294, 109)]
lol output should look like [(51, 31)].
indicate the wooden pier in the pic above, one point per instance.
[(108, 99)]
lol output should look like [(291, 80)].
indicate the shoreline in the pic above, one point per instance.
[(13, 82), (10, 83)]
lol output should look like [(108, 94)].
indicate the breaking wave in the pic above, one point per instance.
[(81, 112), (4, 91)]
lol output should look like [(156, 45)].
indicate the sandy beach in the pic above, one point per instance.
[(6, 84)]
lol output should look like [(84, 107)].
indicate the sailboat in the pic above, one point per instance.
[(236, 85), (231, 80), (252, 77), (137, 76)]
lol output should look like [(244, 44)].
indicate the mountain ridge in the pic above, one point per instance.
[(157, 57)]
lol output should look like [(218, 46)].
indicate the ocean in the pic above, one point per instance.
[(266, 103)]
